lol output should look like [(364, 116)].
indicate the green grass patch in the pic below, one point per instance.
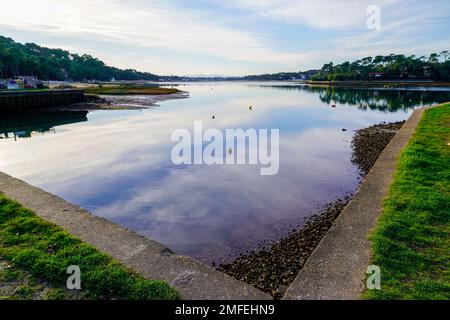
[(129, 90), (411, 242), (46, 251)]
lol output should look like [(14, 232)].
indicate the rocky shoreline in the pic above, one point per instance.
[(273, 267), (368, 143)]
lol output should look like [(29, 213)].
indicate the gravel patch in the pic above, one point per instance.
[(368, 143), (273, 267)]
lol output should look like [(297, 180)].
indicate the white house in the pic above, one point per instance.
[(13, 85), (29, 81)]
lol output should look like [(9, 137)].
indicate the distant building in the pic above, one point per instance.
[(22, 82), (427, 72), (29, 82), (406, 75), (13, 85), (376, 75)]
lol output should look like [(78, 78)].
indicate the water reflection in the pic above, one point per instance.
[(25, 125), (117, 165), (383, 99)]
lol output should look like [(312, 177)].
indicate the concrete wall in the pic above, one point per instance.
[(19, 100)]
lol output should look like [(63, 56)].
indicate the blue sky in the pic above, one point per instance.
[(233, 37)]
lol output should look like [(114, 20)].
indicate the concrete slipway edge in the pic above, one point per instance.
[(192, 279), (336, 270)]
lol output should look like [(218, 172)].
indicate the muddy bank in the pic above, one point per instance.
[(141, 101), (124, 102), (273, 267)]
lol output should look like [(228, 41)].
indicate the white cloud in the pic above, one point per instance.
[(162, 37), (154, 26), (324, 14)]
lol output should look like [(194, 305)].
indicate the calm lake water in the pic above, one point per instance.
[(117, 164)]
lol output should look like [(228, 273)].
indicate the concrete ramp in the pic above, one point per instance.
[(192, 279)]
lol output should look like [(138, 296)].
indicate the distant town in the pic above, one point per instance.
[(22, 82)]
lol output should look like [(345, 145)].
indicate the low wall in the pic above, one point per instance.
[(34, 100)]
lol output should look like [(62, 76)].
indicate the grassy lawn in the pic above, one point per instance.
[(17, 284), (411, 243), (129, 90), (38, 254)]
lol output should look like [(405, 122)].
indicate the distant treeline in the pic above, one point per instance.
[(392, 67), (56, 64), (301, 75)]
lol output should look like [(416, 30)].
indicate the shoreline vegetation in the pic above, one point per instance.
[(377, 84), (57, 64), (125, 97), (35, 255), (274, 266), (120, 90), (393, 67), (411, 243)]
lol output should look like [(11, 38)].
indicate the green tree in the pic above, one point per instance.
[(57, 64)]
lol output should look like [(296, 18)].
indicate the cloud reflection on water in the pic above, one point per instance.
[(118, 166)]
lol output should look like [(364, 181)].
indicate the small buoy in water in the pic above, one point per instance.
[(213, 117), (343, 129), (251, 107)]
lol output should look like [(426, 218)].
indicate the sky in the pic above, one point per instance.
[(233, 37)]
